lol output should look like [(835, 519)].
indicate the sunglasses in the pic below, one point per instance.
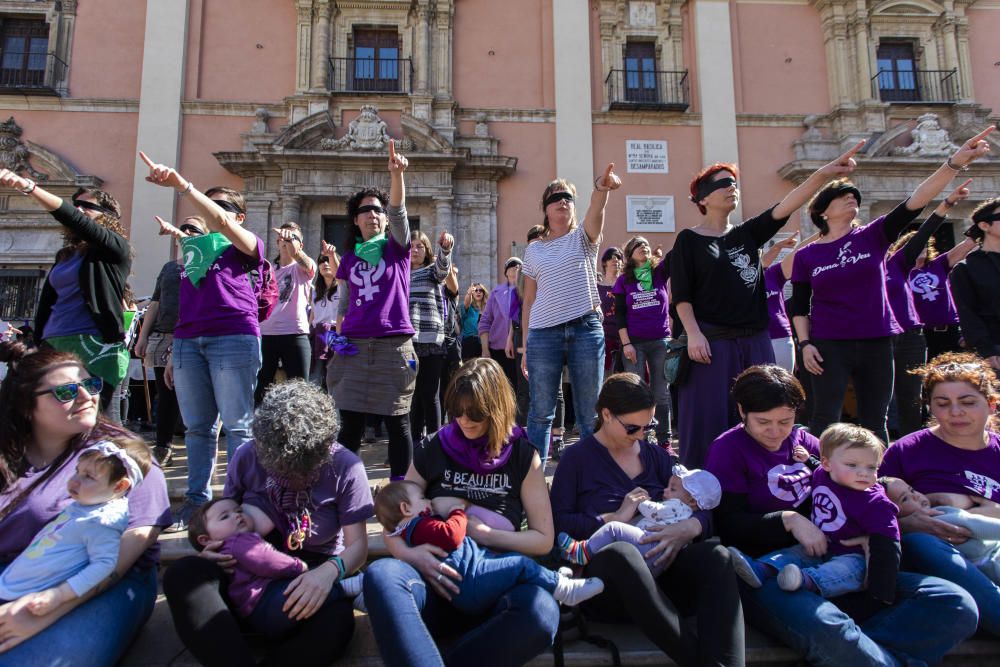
[(324, 260), (955, 367), (192, 230), (91, 206), (294, 237), (374, 208), (559, 196), (632, 429), (65, 393), (227, 205)]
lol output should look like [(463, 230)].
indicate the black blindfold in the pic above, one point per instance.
[(706, 188), (559, 196)]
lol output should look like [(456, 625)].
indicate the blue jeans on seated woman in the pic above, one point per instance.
[(923, 552), (406, 617), (833, 575), (96, 633), (930, 617), (578, 345)]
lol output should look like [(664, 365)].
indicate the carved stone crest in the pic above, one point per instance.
[(13, 153), (929, 139), (367, 132)]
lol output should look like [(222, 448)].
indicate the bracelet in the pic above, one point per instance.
[(947, 203), (804, 343), (948, 163), (341, 568), (186, 190), (29, 188), (598, 187), (627, 344)]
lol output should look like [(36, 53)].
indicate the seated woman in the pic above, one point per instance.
[(604, 478), (765, 506), (481, 456), (48, 418), (959, 454), (314, 500)]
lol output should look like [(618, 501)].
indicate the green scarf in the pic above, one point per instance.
[(644, 274), (200, 252), (108, 361), (372, 249)]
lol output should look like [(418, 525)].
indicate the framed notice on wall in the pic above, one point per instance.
[(646, 157), (650, 213)]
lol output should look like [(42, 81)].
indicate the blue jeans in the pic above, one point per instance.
[(485, 576), (213, 376), (405, 618), (579, 345), (654, 353), (95, 633), (926, 553), (930, 617), (833, 575)]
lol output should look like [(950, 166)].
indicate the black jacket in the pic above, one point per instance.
[(975, 286), (106, 265)]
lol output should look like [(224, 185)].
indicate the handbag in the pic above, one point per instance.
[(677, 362)]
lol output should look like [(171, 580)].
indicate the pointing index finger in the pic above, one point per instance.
[(392, 149), (853, 151), (982, 135), (609, 170), (145, 158)]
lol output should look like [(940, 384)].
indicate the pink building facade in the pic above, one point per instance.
[(292, 102)]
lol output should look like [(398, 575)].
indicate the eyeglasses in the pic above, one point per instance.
[(91, 206), (479, 291), (192, 230), (65, 393), (632, 429), (374, 208), (227, 205)]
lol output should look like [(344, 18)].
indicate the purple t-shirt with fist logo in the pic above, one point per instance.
[(931, 465), (772, 481), (646, 312), (932, 293), (842, 513), (378, 296)]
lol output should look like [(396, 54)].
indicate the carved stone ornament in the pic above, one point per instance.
[(260, 124), (367, 132), (929, 139), (13, 153)]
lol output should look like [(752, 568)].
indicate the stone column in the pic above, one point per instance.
[(863, 56), (303, 64), (574, 120), (321, 47), (258, 219), (421, 53)]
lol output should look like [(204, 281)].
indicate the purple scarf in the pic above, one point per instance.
[(472, 454)]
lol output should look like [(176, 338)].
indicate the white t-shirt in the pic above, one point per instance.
[(565, 270), (290, 315), (325, 310)]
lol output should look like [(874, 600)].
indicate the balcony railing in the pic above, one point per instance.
[(31, 73), (371, 75), (922, 85), (647, 89)]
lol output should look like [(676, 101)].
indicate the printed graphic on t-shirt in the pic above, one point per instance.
[(365, 276), (827, 512), (642, 300), (748, 270), (285, 290), (845, 256), (926, 285), (47, 538), (476, 486), (790, 483), (982, 485)]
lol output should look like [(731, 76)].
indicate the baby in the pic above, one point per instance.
[(78, 549), (403, 510), (686, 492), (847, 503), (983, 550), (262, 573)]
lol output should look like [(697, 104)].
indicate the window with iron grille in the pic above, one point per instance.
[(20, 290)]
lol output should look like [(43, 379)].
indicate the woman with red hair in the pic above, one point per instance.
[(719, 300)]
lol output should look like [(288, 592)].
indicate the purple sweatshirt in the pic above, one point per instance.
[(495, 319), (257, 565)]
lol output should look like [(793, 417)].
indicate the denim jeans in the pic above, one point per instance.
[(930, 617), (97, 632), (406, 618), (654, 353), (868, 362), (931, 555), (579, 345), (833, 576), (485, 577), (213, 376)]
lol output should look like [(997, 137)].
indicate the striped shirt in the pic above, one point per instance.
[(565, 270), (426, 303)]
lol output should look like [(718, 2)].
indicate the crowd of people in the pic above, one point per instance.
[(713, 479)]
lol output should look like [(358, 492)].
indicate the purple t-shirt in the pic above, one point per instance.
[(931, 465), (897, 286), (339, 497), (932, 293), (257, 565), (847, 277), (771, 481), (223, 303), (70, 314), (148, 505), (646, 312), (379, 296), (774, 282), (290, 314), (842, 513)]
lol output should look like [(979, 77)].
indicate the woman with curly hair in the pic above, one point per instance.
[(48, 417), (313, 500), (80, 309), (472, 311), (974, 284)]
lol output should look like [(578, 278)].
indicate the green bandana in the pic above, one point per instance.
[(108, 361), (644, 274), (200, 252), (372, 249)]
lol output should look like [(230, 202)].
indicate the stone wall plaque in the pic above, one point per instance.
[(653, 213), (644, 156)]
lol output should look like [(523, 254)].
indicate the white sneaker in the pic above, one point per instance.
[(572, 592)]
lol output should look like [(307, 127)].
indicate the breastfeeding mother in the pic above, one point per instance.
[(765, 506)]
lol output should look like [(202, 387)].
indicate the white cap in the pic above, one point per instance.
[(703, 486)]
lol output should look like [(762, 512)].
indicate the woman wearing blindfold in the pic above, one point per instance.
[(80, 309), (719, 298), (840, 305), (975, 284)]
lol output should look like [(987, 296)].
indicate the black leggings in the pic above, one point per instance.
[(294, 352), (869, 363), (352, 429), (700, 582), (425, 411), (195, 590), (167, 412)]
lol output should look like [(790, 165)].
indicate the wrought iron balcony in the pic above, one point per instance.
[(920, 86), (30, 73), (647, 89), (371, 75)]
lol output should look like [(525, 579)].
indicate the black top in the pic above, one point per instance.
[(975, 286), (721, 276), (106, 265), (167, 293)]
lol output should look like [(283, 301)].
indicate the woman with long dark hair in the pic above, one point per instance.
[(323, 315)]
